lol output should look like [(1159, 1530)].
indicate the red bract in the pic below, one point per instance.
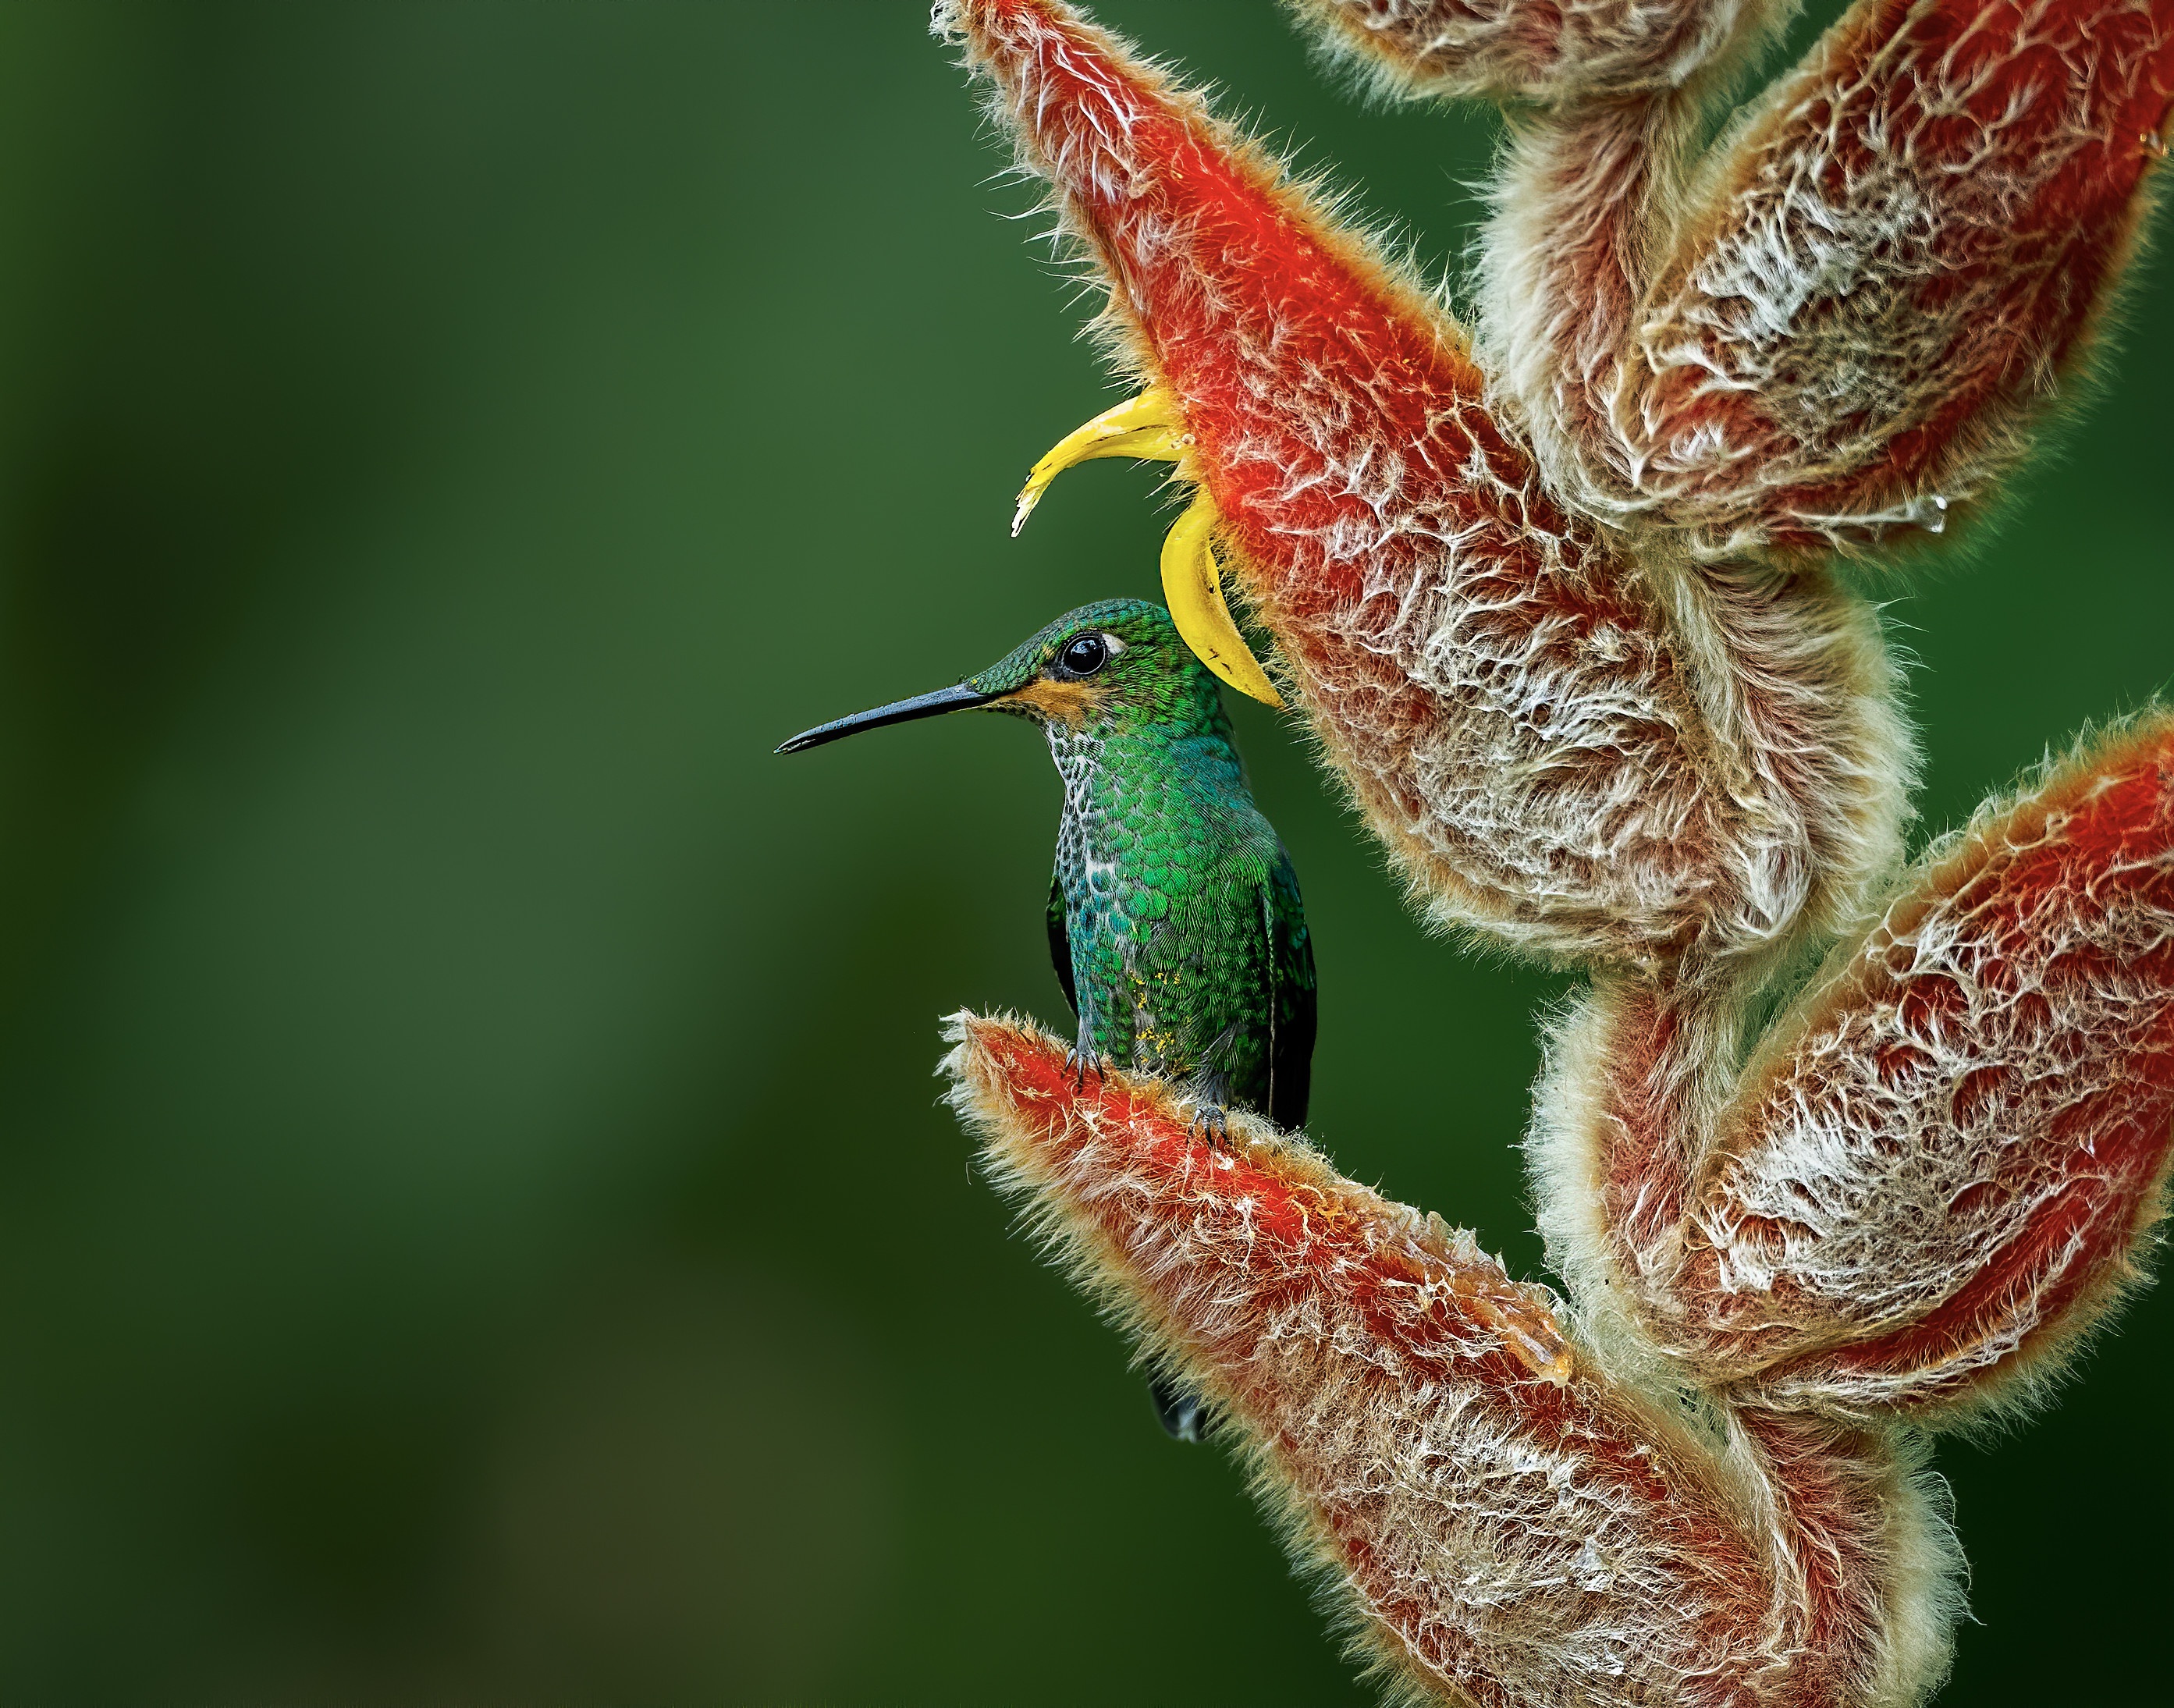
[(1559, 600)]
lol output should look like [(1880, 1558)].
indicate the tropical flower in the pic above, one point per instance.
[(1557, 596)]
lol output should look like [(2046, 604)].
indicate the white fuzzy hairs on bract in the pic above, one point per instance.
[(1562, 604)]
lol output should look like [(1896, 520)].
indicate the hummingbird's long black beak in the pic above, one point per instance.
[(898, 711)]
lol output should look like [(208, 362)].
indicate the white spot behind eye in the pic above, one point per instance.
[(1114, 645)]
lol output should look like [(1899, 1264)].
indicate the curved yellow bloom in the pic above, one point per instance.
[(1151, 426)]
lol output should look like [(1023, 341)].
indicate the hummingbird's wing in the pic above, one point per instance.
[(1290, 994), (1060, 943)]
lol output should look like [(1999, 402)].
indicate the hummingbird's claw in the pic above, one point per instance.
[(1211, 1121), (1079, 1063)]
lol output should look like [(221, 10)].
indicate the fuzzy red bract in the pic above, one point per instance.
[(1500, 685), (1993, 1067), (1955, 183), (1422, 1411), (1265, 1220)]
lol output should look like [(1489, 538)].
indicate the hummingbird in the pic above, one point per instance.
[(1174, 922)]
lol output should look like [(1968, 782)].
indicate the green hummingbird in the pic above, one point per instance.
[(1174, 921)]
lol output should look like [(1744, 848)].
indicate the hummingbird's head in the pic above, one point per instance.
[(1120, 662)]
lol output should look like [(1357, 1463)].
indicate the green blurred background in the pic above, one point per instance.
[(475, 1224)]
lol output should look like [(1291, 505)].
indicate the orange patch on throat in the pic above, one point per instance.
[(1057, 702)]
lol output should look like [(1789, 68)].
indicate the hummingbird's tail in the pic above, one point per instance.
[(1186, 1415)]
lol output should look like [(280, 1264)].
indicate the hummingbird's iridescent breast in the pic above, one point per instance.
[(1155, 848)]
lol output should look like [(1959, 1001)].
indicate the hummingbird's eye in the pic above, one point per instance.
[(1085, 655)]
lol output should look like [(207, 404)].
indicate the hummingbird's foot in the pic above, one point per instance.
[(1210, 1089), (1078, 1063)]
